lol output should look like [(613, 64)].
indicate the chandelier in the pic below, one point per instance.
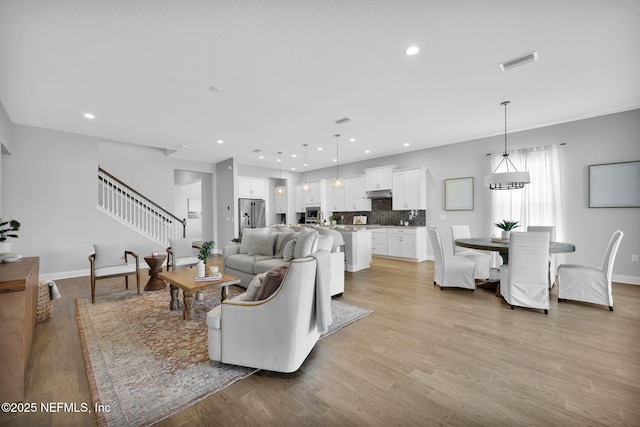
[(511, 179)]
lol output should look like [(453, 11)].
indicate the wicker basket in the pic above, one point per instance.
[(44, 301)]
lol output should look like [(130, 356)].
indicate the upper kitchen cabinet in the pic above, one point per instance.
[(298, 199), (251, 188), (336, 200), (317, 194), (409, 189), (281, 203), (356, 195), (380, 178)]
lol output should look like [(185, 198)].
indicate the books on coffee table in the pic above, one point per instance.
[(216, 276)]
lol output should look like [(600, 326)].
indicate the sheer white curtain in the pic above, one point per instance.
[(538, 203)]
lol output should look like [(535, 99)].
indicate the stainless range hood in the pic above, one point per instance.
[(379, 194)]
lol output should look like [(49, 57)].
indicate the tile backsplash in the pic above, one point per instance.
[(381, 213)]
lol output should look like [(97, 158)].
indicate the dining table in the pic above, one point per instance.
[(502, 247)]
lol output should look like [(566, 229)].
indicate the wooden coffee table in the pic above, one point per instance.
[(184, 279)]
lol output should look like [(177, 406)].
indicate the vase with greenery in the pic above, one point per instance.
[(203, 256), (7, 229), (333, 219), (506, 226)]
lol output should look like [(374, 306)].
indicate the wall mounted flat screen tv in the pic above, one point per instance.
[(614, 185)]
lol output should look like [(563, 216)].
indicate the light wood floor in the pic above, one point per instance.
[(423, 357)]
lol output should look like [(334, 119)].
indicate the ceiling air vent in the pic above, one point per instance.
[(530, 57), (343, 120), (257, 150)]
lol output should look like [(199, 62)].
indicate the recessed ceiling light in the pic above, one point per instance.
[(367, 151), (319, 148), (220, 141), (89, 116), (183, 145), (293, 169), (406, 144), (335, 160), (294, 155), (305, 165), (352, 140), (412, 50), (261, 157)]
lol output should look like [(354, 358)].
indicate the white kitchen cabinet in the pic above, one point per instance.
[(298, 199), (316, 196), (379, 245), (409, 189), (281, 203), (408, 243), (251, 188), (355, 194), (336, 201), (380, 178), (357, 249)]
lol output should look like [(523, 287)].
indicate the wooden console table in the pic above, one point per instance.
[(18, 309)]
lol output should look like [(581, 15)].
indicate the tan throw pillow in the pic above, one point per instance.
[(109, 255), (282, 240), (272, 282), (306, 243)]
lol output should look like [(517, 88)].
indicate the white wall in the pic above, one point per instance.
[(50, 186), (5, 143)]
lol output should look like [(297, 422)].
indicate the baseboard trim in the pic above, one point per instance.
[(631, 280)]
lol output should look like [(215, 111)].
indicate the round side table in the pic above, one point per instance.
[(155, 266)]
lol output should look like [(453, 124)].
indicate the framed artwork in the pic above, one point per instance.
[(195, 208), (614, 185), (458, 194)]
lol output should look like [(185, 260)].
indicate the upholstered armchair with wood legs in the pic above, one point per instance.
[(112, 261)]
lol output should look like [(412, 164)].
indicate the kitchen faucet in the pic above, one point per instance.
[(320, 217)]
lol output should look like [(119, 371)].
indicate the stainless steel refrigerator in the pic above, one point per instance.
[(251, 213)]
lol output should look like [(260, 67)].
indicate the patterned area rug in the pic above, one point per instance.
[(146, 363)]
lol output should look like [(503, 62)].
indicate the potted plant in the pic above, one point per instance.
[(506, 226), (6, 230), (333, 219), (237, 240), (203, 256)]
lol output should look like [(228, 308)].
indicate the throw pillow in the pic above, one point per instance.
[(281, 241), (325, 243), (254, 286), (109, 255), (306, 242), (287, 252), (247, 238), (272, 282), (181, 248), (262, 244)]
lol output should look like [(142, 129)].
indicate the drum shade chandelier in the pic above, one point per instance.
[(511, 179)]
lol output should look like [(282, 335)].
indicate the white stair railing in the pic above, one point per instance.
[(127, 206)]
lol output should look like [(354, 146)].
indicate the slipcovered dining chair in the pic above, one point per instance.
[(181, 254), (450, 271), (551, 229), (109, 261), (482, 261), (523, 282), (590, 284)]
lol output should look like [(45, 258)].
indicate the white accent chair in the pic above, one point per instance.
[(276, 334), (523, 282), (551, 229), (450, 271), (109, 261), (590, 284), (482, 261), (181, 254)]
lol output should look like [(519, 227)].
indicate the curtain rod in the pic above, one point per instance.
[(562, 143)]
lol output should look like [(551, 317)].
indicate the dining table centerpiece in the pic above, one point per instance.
[(506, 226)]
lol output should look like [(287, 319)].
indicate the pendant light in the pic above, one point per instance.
[(511, 179), (337, 182), (280, 188), (305, 186)]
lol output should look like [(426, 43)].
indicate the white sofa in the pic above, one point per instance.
[(251, 263), (277, 333)]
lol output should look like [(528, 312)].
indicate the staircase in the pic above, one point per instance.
[(127, 206)]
